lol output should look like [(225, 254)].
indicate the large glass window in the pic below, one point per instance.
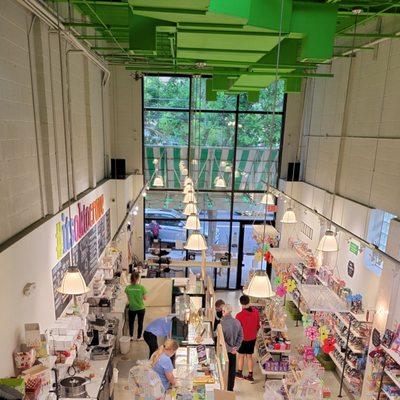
[(230, 138)]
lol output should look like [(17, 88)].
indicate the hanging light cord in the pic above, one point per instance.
[(273, 125)]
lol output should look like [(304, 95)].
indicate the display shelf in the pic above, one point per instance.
[(350, 346), (272, 373), (395, 380), (347, 324), (389, 396), (393, 354)]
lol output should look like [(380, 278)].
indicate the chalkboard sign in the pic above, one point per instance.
[(350, 268), (60, 300), (376, 338), (85, 255)]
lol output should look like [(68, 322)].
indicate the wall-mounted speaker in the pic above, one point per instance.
[(293, 173), (118, 168)]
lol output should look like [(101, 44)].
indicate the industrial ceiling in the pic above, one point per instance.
[(236, 42)]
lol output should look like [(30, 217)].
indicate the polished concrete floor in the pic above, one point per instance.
[(243, 389)]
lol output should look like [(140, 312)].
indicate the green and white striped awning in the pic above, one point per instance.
[(253, 164)]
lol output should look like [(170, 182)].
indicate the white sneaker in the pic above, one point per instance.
[(132, 339), (139, 339)]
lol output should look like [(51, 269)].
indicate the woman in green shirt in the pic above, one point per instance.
[(136, 294)]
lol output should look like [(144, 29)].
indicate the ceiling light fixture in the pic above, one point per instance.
[(328, 242), (193, 222), (220, 182), (188, 181), (158, 181), (196, 241), (260, 286), (289, 217), (190, 198), (268, 199), (190, 208)]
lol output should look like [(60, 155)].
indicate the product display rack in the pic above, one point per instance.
[(391, 389), (265, 352), (345, 336)]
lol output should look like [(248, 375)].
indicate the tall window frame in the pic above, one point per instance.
[(242, 109)]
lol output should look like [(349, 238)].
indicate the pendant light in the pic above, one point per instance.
[(196, 241), (188, 181), (289, 217), (193, 222), (220, 182), (268, 199), (190, 208), (190, 198), (158, 181), (73, 283), (188, 189), (259, 286), (328, 242)]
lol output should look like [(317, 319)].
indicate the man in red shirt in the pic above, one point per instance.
[(249, 318)]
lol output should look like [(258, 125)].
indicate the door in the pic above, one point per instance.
[(246, 250)]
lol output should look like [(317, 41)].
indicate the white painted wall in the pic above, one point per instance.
[(346, 213), (31, 259), (34, 157), (369, 122)]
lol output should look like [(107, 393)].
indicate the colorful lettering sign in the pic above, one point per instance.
[(72, 228)]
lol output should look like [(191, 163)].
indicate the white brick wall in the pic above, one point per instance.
[(22, 148), (369, 170)]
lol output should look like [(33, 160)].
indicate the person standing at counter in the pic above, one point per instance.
[(159, 327), (249, 318), (218, 312), (136, 294), (233, 335), (162, 364)]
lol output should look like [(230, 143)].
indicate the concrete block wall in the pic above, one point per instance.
[(368, 123), (39, 142)]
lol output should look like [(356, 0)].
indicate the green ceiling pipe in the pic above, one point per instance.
[(370, 35)]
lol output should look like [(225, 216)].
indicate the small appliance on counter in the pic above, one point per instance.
[(100, 353), (73, 387)]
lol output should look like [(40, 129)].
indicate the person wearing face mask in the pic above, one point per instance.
[(218, 313)]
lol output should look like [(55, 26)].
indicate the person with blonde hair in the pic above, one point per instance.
[(162, 364)]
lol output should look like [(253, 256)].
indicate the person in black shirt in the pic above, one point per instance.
[(218, 313)]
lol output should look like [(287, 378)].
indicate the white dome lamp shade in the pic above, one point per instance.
[(73, 283), (188, 189), (268, 199), (158, 181), (190, 198), (190, 208), (328, 242), (220, 182), (289, 217), (259, 286), (188, 181), (193, 222), (196, 241)]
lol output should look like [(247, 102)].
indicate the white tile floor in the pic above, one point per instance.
[(243, 389)]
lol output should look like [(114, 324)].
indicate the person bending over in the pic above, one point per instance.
[(249, 318), (233, 335), (136, 294), (160, 327), (162, 364)]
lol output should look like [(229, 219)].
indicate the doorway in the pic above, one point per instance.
[(246, 250)]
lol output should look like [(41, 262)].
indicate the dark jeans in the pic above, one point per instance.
[(231, 371), (132, 316), (151, 341)]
